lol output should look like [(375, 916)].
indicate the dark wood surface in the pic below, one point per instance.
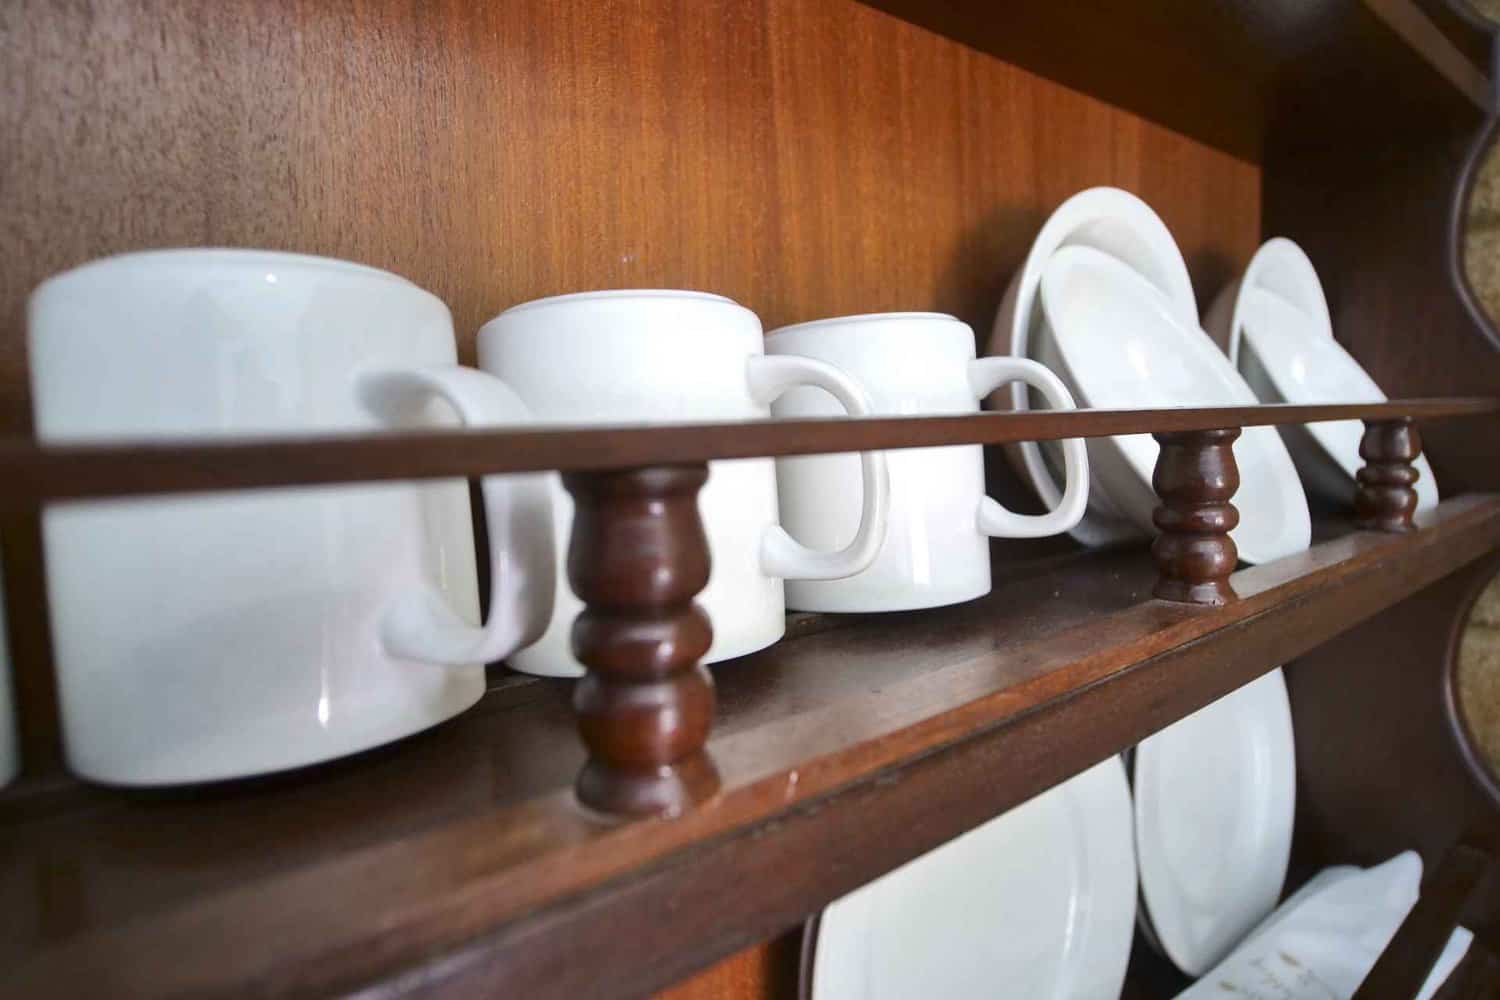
[(637, 560), (458, 859), (1407, 960), (1230, 74), (1379, 770), (498, 152), (1373, 214), (71, 471), (1385, 497), (1195, 477), (1476, 978)]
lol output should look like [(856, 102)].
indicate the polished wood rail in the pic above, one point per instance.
[(36, 473), (638, 555), (460, 860)]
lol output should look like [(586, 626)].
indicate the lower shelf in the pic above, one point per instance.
[(458, 859)]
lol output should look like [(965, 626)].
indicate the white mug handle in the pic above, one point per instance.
[(985, 376), (421, 624), (781, 555)]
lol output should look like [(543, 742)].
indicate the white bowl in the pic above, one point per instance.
[(1118, 345), (1280, 335), (1118, 223)]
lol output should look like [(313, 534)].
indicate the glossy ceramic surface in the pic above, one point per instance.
[(655, 357), (1038, 903), (1282, 268), (936, 550), (1214, 797), (216, 637), (1281, 337), (1118, 345), (1119, 224)]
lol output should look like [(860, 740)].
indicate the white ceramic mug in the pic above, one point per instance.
[(654, 357), (201, 638), (936, 550)]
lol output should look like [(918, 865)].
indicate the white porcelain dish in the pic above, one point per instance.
[(1282, 268), (1118, 223), (1118, 345), (1277, 323), (1214, 796), (1038, 903)]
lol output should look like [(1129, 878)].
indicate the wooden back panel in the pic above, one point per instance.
[(805, 157)]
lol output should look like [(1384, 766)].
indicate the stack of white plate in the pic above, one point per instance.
[(1105, 301), (1276, 322), (1040, 901)]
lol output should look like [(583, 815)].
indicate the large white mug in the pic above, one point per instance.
[(203, 638), (936, 549), (654, 357)]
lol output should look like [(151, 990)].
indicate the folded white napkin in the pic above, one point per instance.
[(1322, 942)]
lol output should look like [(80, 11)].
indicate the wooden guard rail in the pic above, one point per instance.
[(646, 716)]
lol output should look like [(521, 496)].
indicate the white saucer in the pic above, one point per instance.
[(1214, 800), (1281, 337), (1118, 345), (1122, 225), (1038, 903)]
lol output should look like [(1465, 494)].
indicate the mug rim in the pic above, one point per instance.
[(242, 256), (867, 318), (567, 298)]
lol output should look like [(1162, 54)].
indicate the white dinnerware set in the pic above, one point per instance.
[(1189, 836), (216, 637), (227, 635)]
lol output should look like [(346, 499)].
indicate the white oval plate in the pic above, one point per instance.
[(1214, 800), (1122, 225), (1037, 903), (1281, 338), (1118, 345)]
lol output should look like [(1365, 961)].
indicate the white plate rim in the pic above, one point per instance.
[(1158, 896), (1322, 432), (1106, 786), (1295, 535), (1307, 291), (1010, 332)]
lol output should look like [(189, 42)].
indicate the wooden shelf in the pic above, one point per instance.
[(460, 859), (36, 473), (1261, 74)]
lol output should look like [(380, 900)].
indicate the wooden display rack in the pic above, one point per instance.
[(807, 158)]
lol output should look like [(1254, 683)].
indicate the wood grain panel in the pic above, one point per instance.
[(806, 157), (765, 972)]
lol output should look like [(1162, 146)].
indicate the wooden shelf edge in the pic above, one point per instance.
[(36, 473), (531, 900), (1412, 25)]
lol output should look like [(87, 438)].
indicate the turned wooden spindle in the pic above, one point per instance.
[(637, 559), (1195, 477), (1385, 498)]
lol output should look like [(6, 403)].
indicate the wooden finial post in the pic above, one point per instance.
[(637, 559), (1385, 498), (1195, 478)]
